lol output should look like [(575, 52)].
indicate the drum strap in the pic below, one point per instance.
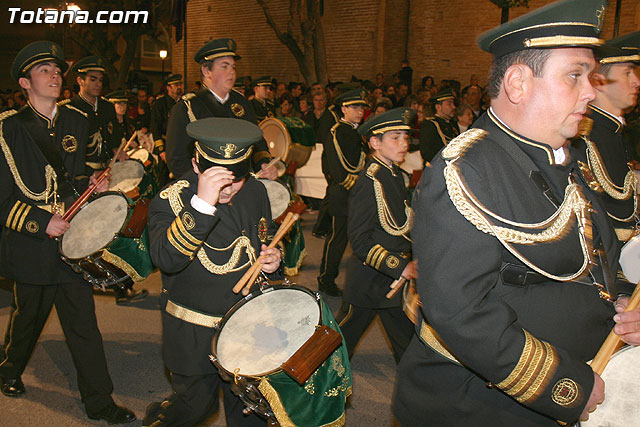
[(46, 144)]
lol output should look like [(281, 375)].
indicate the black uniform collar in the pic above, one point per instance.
[(353, 125), (603, 118), (94, 107), (29, 108), (393, 168), (533, 148)]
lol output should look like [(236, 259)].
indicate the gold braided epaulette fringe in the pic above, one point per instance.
[(77, 110), (533, 372), (63, 102), (460, 144), (372, 170), (585, 126), (6, 114), (188, 96), (172, 193)]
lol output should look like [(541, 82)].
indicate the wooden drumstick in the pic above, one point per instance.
[(396, 286), (613, 340), (271, 163), (252, 273)]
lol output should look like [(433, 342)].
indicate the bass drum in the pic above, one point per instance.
[(290, 139), (621, 378)]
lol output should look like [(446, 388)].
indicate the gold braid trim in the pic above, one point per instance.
[(275, 402), (192, 117), (50, 177), (343, 161), (387, 221), (122, 265), (77, 110), (240, 243), (532, 373), (574, 207), (172, 193), (602, 175), (7, 113)]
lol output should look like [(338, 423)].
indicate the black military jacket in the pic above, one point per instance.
[(122, 130), (435, 133), (606, 134), (380, 256), (263, 110), (27, 254), (344, 161), (321, 126), (200, 105), (530, 338), (196, 276), (160, 119), (101, 141)]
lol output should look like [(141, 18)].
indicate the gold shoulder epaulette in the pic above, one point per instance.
[(460, 144), (71, 107), (64, 102), (239, 93), (172, 193), (160, 96), (6, 114), (586, 124), (188, 96), (372, 169)]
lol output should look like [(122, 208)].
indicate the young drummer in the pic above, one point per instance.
[(379, 222), (206, 229)]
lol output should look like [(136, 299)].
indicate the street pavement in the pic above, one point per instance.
[(132, 340)]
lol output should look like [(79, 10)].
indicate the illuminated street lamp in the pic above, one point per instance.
[(163, 55), (73, 6)]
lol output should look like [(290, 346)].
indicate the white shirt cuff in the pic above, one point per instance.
[(201, 206)]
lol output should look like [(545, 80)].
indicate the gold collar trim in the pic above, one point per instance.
[(546, 148), (608, 115)]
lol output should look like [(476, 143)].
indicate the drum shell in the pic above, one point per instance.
[(290, 139)]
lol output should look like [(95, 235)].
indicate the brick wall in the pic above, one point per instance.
[(364, 37)]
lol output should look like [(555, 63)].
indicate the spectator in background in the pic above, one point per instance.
[(428, 83), (405, 75), (286, 108), (281, 88), (464, 117), (295, 89), (403, 92), (474, 99), (391, 94), (377, 94), (316, 88), (412, 102), (380, 83), (66, 93)]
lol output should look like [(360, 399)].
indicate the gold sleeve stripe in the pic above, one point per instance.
[(376, 255), (23, 217), (16, 217), (11, 213), (177, 245), (176, 235), (534, 370), (185, 233), (371, 252)]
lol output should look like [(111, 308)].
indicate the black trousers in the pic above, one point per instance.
[(334, 245), (195, 398), (355, 320), (76, 310)]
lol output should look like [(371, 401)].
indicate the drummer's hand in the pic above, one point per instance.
[(627, 324), (270, 172), (596, 398), (57, 226), (270, 259), (211, 181), (410, 271), (163, 156), (104, 185)]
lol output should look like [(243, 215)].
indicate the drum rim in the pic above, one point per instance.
[(242, 302), (115, 237), (274, 182), (632, 242), (283, 127), (144, 171)]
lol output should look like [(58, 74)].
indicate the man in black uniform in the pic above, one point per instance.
[(160, 112), (189, 222), (41, 168), (216, 98), (602, 152), (513, 308), (262, 104), (345, 159), (380, 244), (123, 128), (438, 130), (100, 112)]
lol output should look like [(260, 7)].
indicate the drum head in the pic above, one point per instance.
[(620, 406), (139, 154), (278, 197), (126, 175), (277, 137), (95, 226), (630, 260), (259, 335)]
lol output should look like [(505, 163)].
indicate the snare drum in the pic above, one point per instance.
[(259, 336), (93, 244), (630, 260), (289, 138), (621, 378), (133, 179)]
